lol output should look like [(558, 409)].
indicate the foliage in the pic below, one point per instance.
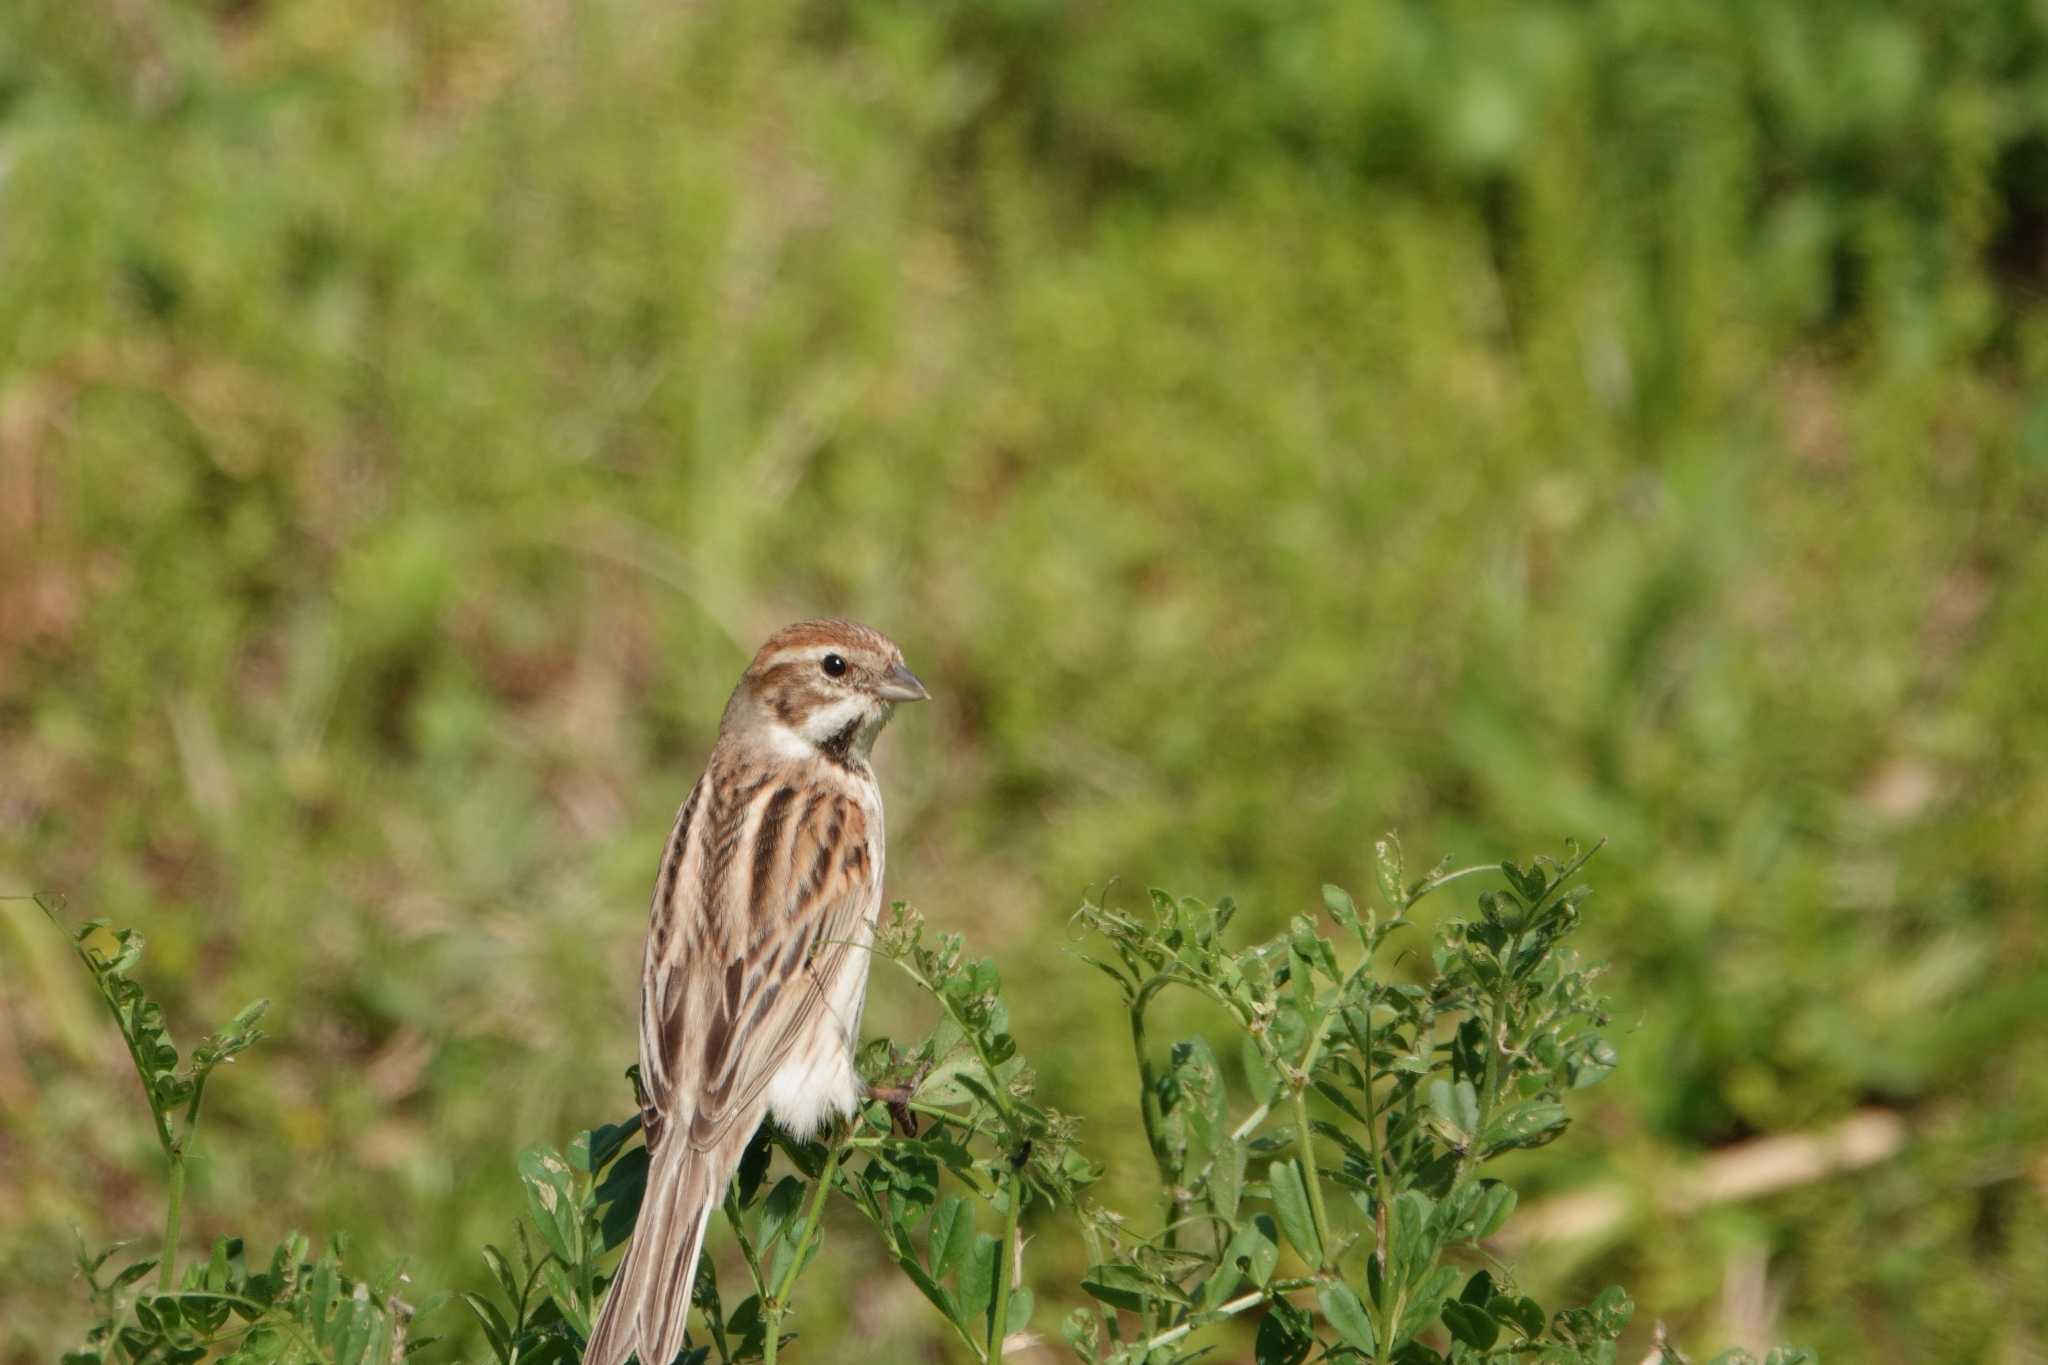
[(300, 1308), (1411, 1089)]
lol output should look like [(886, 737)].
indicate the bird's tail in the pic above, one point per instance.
[(649, 1303)]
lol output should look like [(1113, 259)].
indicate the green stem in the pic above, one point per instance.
[(776, 1303), (1490, 1080), (1148, 1086), (1382, 1325), (1436, 883), (1175, 1193), (1275, 1290), (999, 1324), (735, 1220), (1386, 1338), (167, 1269), (1310, 1177), (1016, 1130)]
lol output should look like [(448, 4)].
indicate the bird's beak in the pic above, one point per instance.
[(900, 684)]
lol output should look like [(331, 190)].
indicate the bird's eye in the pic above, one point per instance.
[(833, 665)]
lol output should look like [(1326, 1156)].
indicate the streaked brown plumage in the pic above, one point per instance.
[(756, 959)]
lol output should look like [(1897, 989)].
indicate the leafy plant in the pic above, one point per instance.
[(1329, 1182), (1337, 1204), (301, 1307), (1342, 1197), (944, 1200)]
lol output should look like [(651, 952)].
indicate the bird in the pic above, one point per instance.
[(756, 961)]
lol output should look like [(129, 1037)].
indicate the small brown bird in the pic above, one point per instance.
[(757, 956)]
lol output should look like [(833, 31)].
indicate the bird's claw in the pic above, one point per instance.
[(897, 1099)]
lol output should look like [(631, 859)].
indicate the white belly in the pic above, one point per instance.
[(817, 1083)]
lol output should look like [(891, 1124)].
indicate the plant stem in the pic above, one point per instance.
[(999, 1323), (1252, 1120), (735, 1221), (1175, 1197), (776, 1303), (1434, 883), (1231, 1309), (1148, 1091), (1314, 1181), (1490, 1080), (1016, 1130), (167, 1268)]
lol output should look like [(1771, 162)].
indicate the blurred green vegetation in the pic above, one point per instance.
[(1262, 423)]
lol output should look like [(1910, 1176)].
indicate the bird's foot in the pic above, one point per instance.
[(897, 1099)]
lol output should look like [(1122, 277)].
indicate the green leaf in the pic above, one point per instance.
[(1456, 1108), (930, 1288), (620, 1193), (776, 1211), (1470, 1325), (1522, 1313), (1252, 1254), (1496, 1201), (500, 1271), (1603, 1321), (1021, 1304), (1612, 1309), (1425, 1301), (603, 1143), (951, 1233), (134, 1272), (785, 1253), (1119, 1286), (1081, 1330), (356, 1325), (1345, 1313), (1291, 1203), (754, 1165), (1281, 1340), (1338, 902), (1264, 1081), (1597, 1062), (551, 1200), (568, 1302), (1529, 885), (976, 1279), (496, 1330), (1226, 1179), (1410, 1243), (1530, 1124), (1387, 867)]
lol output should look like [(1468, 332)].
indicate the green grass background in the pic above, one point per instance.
[(1263, 423)]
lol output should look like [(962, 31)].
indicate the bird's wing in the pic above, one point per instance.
[(765, 888), (789, 882)]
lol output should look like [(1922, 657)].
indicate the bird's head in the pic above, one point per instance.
[(821, 688)]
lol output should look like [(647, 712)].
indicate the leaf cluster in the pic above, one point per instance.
[(1341, 1195), (301, 1307)]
